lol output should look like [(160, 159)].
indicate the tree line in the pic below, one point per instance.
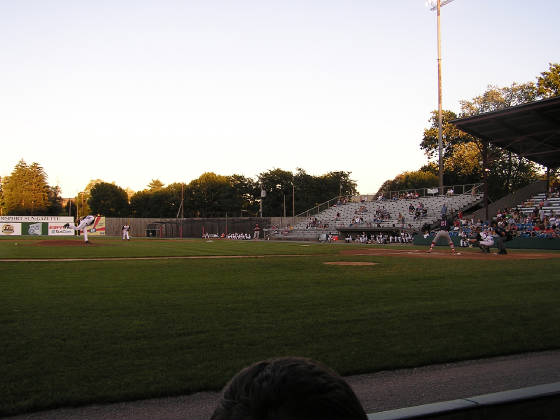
[(281, 193), (466, 160)]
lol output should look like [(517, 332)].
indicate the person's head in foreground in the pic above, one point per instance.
[(288, 388)]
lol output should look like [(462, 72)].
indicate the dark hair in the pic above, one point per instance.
[(288, 388)]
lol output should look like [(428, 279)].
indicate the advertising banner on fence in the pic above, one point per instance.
[(98, 227), (35, 229), (57, 229), (10, 228), (36, 219), (46, 225)]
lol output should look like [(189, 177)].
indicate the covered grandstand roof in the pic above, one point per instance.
[(530, 130)]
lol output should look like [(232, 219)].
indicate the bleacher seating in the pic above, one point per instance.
[(538, 217), (550, 206), (342, 216)]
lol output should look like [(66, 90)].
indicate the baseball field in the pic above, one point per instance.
[(116, 321)]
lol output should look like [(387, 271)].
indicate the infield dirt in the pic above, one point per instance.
[(420, 253)]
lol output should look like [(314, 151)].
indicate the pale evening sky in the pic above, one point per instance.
[(132, 90)]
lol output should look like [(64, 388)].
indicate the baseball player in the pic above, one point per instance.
[(256, 231), (125, 230), (487, 240), (83, 225), (444, 226)]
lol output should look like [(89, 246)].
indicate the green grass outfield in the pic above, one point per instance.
[(77, 332)]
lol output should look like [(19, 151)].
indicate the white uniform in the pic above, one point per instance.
[(125, 230), (84, 223), (487, 239)]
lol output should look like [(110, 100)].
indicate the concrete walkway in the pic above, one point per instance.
[(378, 391)]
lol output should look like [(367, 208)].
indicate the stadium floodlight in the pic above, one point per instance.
[(436, 5), (432, 4)]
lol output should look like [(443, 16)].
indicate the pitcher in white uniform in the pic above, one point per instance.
[(83, 225)]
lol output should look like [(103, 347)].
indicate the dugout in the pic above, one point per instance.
[(343, 232), (155, 230)]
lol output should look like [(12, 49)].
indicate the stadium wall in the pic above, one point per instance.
[(193, 227)]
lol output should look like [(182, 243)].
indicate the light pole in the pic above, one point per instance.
[(293, 204), (279, 188), (437, 6), (263, 195)]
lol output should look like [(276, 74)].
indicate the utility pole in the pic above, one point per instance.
[(293, 204), (263, 195)]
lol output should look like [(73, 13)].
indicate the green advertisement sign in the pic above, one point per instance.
[(34, 229)]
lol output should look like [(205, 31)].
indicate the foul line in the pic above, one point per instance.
[(176, 257)]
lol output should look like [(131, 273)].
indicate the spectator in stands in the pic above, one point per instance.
[(288, 388)]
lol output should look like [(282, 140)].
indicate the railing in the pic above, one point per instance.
[(323, 206), (433, 191)]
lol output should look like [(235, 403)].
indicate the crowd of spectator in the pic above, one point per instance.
[(535, 218), (316, 223)]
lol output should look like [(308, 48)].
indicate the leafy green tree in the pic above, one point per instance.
[(109, 200), (25, 191), (338, 183), (496, 98), (451, 136), (548, 84), (280, 186), (83, 197), (410, 180), (155, 185), (55, 201), (276, 183), (211, 195), (245, 193), (70, 208), (159, 203)]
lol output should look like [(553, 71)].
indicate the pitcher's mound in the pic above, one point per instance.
[(350, 263)]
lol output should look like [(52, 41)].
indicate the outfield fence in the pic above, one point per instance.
[(194, 227)]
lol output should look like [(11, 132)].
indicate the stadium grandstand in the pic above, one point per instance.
[(391, 214)]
